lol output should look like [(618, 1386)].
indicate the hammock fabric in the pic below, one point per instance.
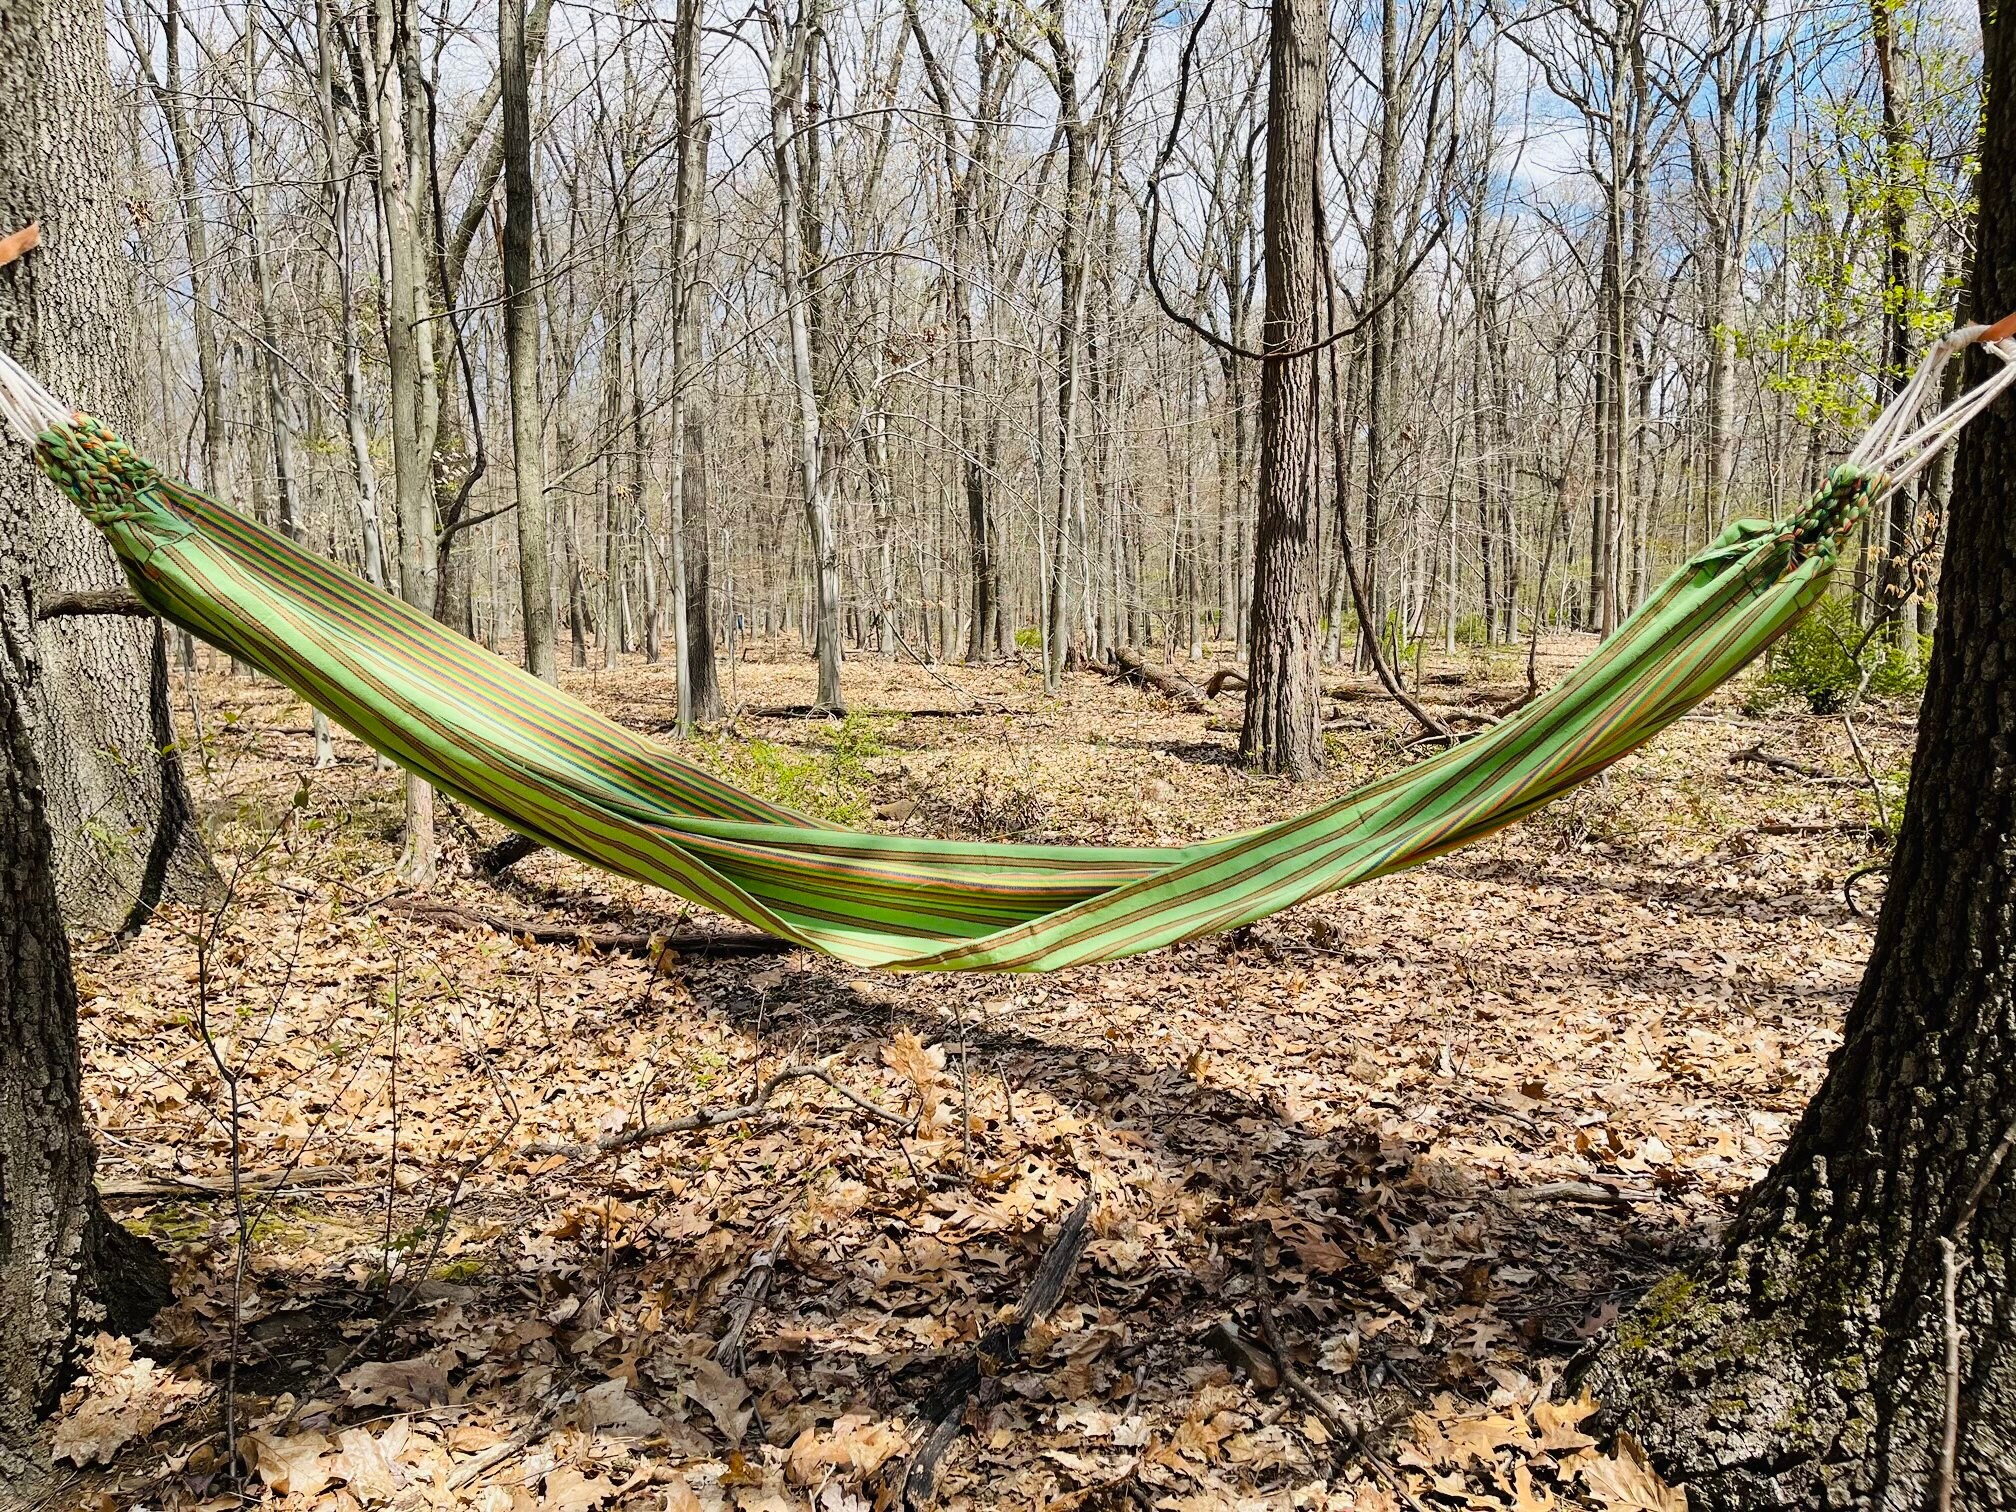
[(551, 768)]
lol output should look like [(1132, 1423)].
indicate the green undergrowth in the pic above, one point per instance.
[(1823, 658), (831, 780)]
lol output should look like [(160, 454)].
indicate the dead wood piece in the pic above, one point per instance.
[(1756, 755), (710, 1118), (679, 942), (504, 855), (755, 1287), (1128, 665), (1350, 1433), (1242, 1354), (1821, 827), (1225, 679), (92, 601), (203, 1188), (999, 1349)]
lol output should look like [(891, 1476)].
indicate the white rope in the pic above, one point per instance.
[(27, 407), (1897, 446)]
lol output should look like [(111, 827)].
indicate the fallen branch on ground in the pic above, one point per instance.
[(1129, 666), (200, 1188), (679, 942), (714, 1117), (1821, 827), (999, 1349), (504, 855), (1756, 755), (1332, 1416)]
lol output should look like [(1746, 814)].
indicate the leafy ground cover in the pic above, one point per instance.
[(1427, 1136)]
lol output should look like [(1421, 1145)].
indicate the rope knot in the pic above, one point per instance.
[(100, 472), (1832, 513)]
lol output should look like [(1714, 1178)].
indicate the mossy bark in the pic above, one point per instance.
[(1806, 1367)]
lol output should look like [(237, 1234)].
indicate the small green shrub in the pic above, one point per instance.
[(1029, 638), (1817, 661), (831, 782), (1472, 631)]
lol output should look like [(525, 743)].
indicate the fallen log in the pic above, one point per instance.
[(1129, 666), (212, 1188), (707, 943)]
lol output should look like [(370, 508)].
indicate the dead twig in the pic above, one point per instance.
[(680, 942), (1868, 773), (209, 1188), (999, 1349), (1333, 1416), (714, 1117)]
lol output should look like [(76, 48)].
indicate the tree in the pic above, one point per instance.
[(521, 347), (95, 693), (402, 127), (794, 42), (1283, 731), (74, 695), (1808, 1363)]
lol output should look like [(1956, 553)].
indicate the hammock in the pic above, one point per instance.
[(549, 767)]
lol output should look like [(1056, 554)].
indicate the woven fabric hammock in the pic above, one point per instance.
[(551, 768)]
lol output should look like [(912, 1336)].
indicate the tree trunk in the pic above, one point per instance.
[(792, 43), (521, 349), (400, 122), (96, 692), (1282, 732), (1806, 1366), (45, 1150), (79, 690)]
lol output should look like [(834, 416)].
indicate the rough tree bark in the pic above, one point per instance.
[(521, 346), (401, 125), (1283, 731), (1806, 1365), (791, 42), (95, 692), (83, 716)]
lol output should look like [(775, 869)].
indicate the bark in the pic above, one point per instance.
[(688, 198), (401, 124), (77, 692), (1283, 730), (792, 44), (45, 1151), (521, 348), (1805, 1365), (96, 691)]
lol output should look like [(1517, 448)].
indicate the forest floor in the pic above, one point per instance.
[(1437, 1129)]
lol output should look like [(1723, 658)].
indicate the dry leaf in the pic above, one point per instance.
[(856, 1443), (1557, 1423), (362, 1464), (120, 1398), (725, 1398), (569, 1490), (609, 1408), (407, 1384), (1627, 1481), (294, 1465)]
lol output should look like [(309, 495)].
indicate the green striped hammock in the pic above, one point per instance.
[(548, 766)]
